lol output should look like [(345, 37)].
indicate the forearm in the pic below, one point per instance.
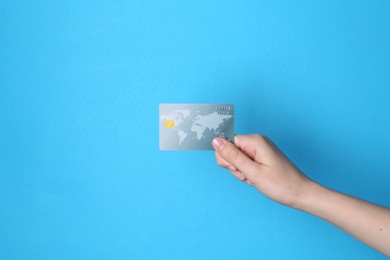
[(367, 222)]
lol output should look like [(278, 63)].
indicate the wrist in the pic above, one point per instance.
[(310, 196)]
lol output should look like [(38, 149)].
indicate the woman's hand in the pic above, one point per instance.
[(257, 161)]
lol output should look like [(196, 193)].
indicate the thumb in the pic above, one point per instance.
[(233, 155)]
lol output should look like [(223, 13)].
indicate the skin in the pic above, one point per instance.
[(256, 160)]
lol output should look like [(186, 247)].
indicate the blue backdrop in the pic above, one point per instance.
[(82, 176)]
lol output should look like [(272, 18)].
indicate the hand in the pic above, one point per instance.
[(257, 161)]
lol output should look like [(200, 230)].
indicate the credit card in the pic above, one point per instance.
[(194, 126)]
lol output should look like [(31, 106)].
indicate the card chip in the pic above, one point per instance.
[(169, 123)]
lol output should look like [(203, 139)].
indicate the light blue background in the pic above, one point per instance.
[(82, 176)]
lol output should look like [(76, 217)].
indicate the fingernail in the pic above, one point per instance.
[(232, 168), (218, 143)]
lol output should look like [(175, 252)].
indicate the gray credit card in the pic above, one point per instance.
[(194, 126)]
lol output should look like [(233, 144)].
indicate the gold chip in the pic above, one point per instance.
[(169, 123)]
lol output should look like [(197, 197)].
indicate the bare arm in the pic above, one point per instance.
[(257, 161), (367, 222)]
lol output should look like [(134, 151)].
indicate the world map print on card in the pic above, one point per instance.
[(194, 126)]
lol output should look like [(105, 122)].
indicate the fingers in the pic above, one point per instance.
[(233, 170), (256, 147), (232, 155), (223, 163), (239, 175)]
